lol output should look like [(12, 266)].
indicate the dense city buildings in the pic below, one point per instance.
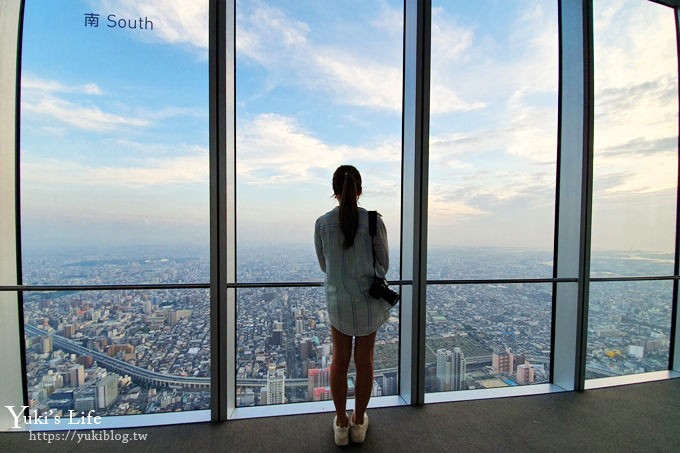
[(143, 351)]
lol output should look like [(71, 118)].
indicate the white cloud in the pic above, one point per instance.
[(89, 118), (521, 129), (353, 75), (532, 129), (32, 83), (451, 54), (40, 97), (46, 98), (450, 40), (358, 81), (189, 168), (442, 210), (390, 20), (446, 100), (361, 75), (474, 70), (275, 149), (634, 41)]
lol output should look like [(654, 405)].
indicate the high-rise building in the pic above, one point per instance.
[(322, 394), (299, 326), (444, 369), (390, 383), (46, 345), (451, 369), (172, 317), (525, 373), (305, 348), (503, 362), (107, 391), (277, 334), (317, 377), (459, 370), (69, 330), (376, 390), (94, 315), (276, 385), (76, 375)]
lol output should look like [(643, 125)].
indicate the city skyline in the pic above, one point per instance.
[(156, 342)]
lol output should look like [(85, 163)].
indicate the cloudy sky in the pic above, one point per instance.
[(115, 120), (636, 126)]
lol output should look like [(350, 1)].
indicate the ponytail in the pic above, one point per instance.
[(347, 184), (349, 211)]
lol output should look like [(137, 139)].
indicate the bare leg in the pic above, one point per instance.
[(363, 360), (342, 353)]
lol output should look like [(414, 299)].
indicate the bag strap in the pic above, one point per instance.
[(372, 222), (372, 228)]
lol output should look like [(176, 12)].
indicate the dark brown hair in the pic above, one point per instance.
[(347, 185)]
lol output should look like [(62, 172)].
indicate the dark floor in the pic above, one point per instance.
[(634, 418)]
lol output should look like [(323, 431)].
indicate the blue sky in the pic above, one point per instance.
[(115, 121)]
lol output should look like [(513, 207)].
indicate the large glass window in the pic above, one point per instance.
[(493, 135), (114, 192), (318, 84), (634, 187)]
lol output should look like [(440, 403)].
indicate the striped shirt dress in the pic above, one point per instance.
[(349, 273)]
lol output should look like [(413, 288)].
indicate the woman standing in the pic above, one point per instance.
[(344, 248)]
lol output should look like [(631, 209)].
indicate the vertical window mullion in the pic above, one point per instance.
[(414, 197), (574, 195), (222, 49), (13, 390), (229, 214)]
